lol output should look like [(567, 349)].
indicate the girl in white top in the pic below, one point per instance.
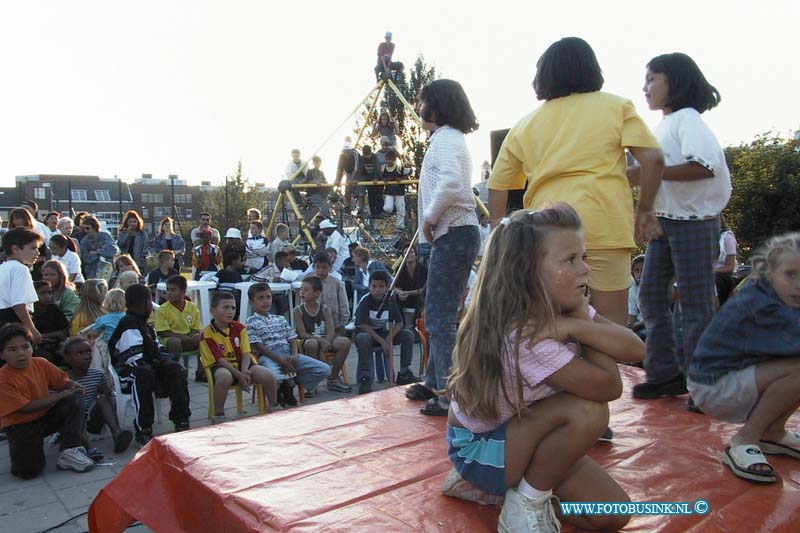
[(695, 189), (448, 222)]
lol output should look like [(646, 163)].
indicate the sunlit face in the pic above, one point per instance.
[(656, 90), (261, 302), (166, 227), (20, 222), (205, 221), (785, 279), (174, 293), (377, 288), (307, 293), (321, 270), (124, 267), (564, 270), (52, 222), (79, 356), (65, 228), (28, 254), (18, 353), (251, 216), (295, 156), (254, 230), (224, 312), (132, 224), (50, 275)]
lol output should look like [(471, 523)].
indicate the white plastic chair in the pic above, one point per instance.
[(124, 400), (208, 276)]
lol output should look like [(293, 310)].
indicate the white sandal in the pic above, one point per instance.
[(788, 445), (740, 458)]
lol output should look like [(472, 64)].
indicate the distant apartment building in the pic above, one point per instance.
[(69, 194), (156, 198)]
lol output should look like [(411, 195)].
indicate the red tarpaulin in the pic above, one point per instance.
[(374, 463)]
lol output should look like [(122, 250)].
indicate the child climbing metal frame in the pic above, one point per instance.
[(286, 186)]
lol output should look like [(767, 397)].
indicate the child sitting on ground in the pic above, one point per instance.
[(225, 350), (281, 240), (373, 316), (746, 368), (17, 293), (178, 322), (534, 368), (93, 293), (206, 257), (165, 270), (99, 406), (124, 263), (29, 412), (50, 322), (333, 294), (272, 339), (315, 327), (145, 368)]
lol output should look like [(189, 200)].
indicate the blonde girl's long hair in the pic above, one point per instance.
[(92, 295), (510, 304)]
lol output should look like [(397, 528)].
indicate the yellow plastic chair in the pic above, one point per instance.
[(262, 404)]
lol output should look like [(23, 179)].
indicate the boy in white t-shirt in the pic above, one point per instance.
[(59, 247), (17, 294)]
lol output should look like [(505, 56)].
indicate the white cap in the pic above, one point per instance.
[(233, 233), (327, 224)]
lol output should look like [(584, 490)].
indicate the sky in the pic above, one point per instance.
[(192, 87)]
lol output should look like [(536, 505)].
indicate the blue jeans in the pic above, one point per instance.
[(452, 256), (685, 253), (310, 371), (364, 345)]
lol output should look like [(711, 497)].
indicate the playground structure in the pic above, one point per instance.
[(376, 234)]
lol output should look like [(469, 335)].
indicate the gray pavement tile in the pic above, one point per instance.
[(81, 496), (26, 496), (60, 479), (10, 482), (35, 519)]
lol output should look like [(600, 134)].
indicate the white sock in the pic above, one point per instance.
[(530, 492)]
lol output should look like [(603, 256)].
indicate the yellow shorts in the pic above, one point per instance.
[(611, 269)]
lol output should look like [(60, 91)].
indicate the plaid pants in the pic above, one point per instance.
[(685, 253)]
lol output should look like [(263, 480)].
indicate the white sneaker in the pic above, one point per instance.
[(74, 459), (455, 486), (522, 515), (337, 385)]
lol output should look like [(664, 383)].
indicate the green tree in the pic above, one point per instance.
[(231, 209), (766, 189)]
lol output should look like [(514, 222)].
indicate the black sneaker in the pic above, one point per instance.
[(288, 393), (364, 386), (406, 377), (606, 436), (651, 391), (182, 426), (144, 436)]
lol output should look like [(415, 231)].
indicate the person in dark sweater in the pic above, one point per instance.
[(50, 322), (145, 367)]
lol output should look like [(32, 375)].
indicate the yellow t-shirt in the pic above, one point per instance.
[(571, 150), (223, 341), (170, 318), (79, 321)]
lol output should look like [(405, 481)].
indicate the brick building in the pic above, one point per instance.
[(156, 198)]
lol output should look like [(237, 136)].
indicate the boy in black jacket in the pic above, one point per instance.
[(144, 365)]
